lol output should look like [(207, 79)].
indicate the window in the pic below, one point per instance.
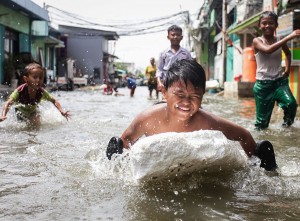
[(11, 43)]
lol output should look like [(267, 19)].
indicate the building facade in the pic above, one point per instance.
[(88, 48), (225, 34), (24, 37)]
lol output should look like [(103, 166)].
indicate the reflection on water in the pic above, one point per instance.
[(60, 171)]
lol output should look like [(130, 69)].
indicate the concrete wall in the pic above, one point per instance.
[(238, 89), (88, 53), (218, 69)]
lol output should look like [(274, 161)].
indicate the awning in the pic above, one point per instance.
[(51, 40), (246, 26), (107, 55)]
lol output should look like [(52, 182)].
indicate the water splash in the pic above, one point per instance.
[(171, 155)]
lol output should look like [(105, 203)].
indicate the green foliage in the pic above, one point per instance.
[(141, 75), (121, 66)]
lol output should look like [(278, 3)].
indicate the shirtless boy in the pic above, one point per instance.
[(183, 90)]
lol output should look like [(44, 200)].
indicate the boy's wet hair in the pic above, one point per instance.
[(174, 28), (268, 14), (30, 67), (186, 71)]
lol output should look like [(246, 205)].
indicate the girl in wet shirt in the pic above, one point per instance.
[(28, 95)]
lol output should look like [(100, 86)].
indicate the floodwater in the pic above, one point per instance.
[(60, 172)]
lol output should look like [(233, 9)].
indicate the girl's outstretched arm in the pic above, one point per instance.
[(6, 107), (66, 114)]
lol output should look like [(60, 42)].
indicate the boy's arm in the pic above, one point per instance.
[(258, 44), (287, 53), (133, 132), (189, 56), (159, 66), (5, 109), (160, 84), (263, 149), (159, 71), (244, 137), (128, 138), (235, 132)]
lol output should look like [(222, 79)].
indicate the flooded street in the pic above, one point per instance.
[(60, 172)]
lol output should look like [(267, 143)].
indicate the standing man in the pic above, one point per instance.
[(151, 78)]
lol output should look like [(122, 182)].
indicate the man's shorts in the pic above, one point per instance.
[(152, 86)]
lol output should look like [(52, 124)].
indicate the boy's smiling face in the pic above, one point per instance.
[(183, 100), (268, 25)]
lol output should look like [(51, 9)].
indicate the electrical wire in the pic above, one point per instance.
[(159, 24)]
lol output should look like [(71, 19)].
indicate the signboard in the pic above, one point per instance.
[(39, 28), (285, 24), (268, 5)]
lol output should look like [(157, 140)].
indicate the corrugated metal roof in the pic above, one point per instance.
[(250, 22), (29, 8), (80, 31)]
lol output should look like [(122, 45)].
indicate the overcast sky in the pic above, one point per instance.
[(137, 49)]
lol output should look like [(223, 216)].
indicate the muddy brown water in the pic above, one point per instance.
[(60, 172)]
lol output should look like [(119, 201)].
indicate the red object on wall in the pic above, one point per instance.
[(238, 78), (249, 65)]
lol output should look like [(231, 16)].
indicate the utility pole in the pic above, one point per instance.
[(224, 42), (187, 24)]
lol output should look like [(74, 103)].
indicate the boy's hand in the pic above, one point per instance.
[(286, 74), (159, 85), (2, 118), (295, 33), (66, 114), (264, 151), (115, 146)]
